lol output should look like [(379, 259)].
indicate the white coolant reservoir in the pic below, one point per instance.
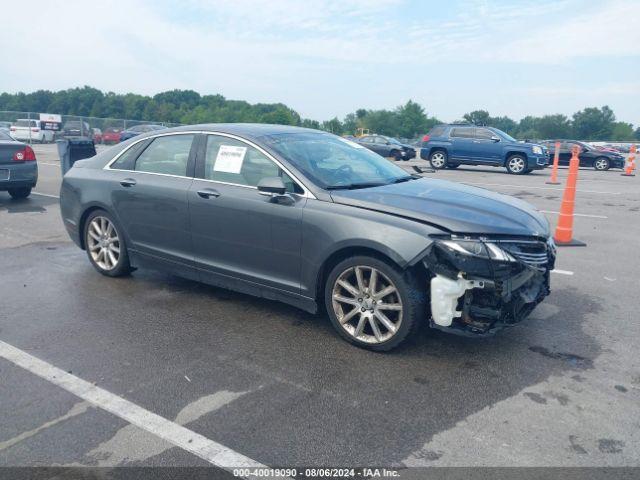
[(445, 293)]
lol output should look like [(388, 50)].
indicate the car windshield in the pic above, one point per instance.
[(332, 162), (506, 136)]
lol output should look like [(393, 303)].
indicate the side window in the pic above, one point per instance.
[(128, 158), (232, 161), (436, 131), (484, 134), (462, 132), (167, 155)]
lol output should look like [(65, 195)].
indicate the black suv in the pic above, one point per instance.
[(589, 156), (449, 146), (387, 147), (77, 128)]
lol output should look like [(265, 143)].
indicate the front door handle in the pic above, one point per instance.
[(208, 193), (128, 182)]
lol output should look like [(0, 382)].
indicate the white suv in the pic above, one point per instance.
[(25, 130)]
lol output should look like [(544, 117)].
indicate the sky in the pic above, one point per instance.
[(329, 58)]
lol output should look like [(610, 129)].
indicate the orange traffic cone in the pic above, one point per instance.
[(631, 166), (554, 172), (564, 230)]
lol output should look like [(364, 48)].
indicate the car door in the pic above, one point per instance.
[(149, 195), (487, 149), (382, 146), (239, 235), (565, 153), (462, 143)]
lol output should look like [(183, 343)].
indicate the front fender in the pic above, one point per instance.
[(329, 228)]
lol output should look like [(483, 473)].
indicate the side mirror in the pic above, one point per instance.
[(495, 139), (272, 186)]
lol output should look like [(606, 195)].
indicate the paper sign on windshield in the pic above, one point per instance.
[(230, 159)]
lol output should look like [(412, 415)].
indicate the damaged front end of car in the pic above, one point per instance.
[(480, 285)]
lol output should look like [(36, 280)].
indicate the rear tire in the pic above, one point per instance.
[(105, 245), (366, 316), (601, 164), (516, 165), (19, 193), (438, 159), (395, 154)]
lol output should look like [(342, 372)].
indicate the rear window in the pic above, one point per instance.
[(25, 123), (437, 131), (4, 136)]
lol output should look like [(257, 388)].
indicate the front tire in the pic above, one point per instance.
[(516, 165), (105, 245), (438, 159), (601, 164), (374, 304), (19, 193)]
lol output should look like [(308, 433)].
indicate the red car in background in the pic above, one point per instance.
[(97, 135), (111, 135)]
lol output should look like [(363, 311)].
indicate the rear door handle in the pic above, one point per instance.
[(208, 193), (128, 182)]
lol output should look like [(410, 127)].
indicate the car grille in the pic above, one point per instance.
[(533, 253)]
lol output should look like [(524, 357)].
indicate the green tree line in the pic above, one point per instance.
[(406, 121)]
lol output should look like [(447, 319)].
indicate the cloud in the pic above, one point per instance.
[(321, 57)]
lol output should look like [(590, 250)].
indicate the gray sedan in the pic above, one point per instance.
[(313, 220), (18, 167)]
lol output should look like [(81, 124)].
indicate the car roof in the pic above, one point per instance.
[(251, 130)]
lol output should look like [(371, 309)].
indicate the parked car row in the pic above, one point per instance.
[(34, 131)]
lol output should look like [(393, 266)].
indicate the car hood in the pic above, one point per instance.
[(454, 207)]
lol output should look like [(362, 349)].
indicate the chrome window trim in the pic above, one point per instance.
[(307, 193)]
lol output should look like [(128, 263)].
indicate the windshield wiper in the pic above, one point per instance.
[(354, 186), (405, 179)]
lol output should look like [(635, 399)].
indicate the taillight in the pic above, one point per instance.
[(426, 138), (25, 155)]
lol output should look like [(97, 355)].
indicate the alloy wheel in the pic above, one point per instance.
[(516, 164), (601, 164), (367, 304), (438, 160), (103, 243)]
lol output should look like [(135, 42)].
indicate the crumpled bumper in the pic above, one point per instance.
[(485, 295)]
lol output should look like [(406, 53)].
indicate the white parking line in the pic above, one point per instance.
[(562, 272), (44, 195), (524, 187), (182, 437), (49, 164), (575, 214)]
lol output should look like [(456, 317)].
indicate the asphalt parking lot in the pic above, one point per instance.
[(276, 385)]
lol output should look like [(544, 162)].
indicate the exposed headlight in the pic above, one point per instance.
[(478, 248), (537, 150)]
